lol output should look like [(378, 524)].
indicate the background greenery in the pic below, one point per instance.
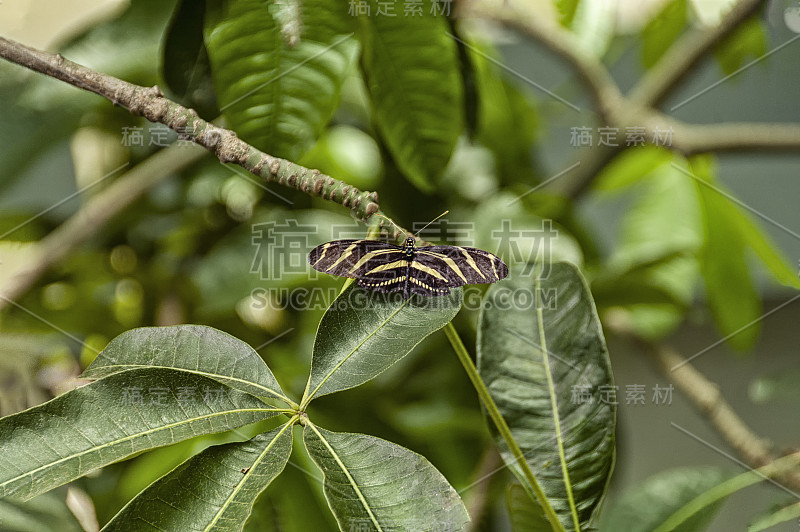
[(459, 128)]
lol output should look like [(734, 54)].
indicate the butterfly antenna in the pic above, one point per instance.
[(429, 223)]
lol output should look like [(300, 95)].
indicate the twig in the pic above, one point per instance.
[(150, 103), (687, 52), (604, 91), (639, 107), (705, 396)]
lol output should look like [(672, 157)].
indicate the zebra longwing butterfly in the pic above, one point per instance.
[(425, 270)]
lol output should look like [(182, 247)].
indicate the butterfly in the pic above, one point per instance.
[(424, 270)]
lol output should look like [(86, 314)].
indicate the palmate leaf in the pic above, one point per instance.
[(373, 484), (194, 348), (533, 386), (411, 68), (103, 422), (214, 490), (363, 333), (275, 95)]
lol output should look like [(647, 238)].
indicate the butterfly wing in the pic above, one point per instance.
[(458, 266), (353, 258)]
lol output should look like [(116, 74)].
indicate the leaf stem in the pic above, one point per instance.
[(500, 422)]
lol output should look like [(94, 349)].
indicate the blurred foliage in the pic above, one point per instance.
[(382, 103)]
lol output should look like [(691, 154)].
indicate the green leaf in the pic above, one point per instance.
[(566, 11), (645, 506), (214, 490), (787, 513), (276, 96), (524, 512), (363, 333), (507, 118), (732, 297), (631, 166), (185, 66), (770, 255), (593, 26), (654, 278), (45, 512), (411, 69), (373, 484), (749, 39), (192, 348), (531, 355), (102, 422), (662, 30)]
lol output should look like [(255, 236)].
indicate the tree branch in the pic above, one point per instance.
[(738, 137), (686, 53), (705, 396), (639, 108), (601, 86), (150, 103)]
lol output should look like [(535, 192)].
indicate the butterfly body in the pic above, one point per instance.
[(425, 270)]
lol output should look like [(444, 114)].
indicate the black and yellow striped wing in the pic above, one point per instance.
[(429, 270), (353, 258), (459, 265)]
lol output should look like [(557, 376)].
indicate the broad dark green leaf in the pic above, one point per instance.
[(411, 68), (527, 381), (363, 333), (732, 297), (103, 422), (276, 96), (185, 66), (48, 511), (373, 484), (645, 506), (662, 30), (524, 512), (214, 490), (749, 40), (193, 348)]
